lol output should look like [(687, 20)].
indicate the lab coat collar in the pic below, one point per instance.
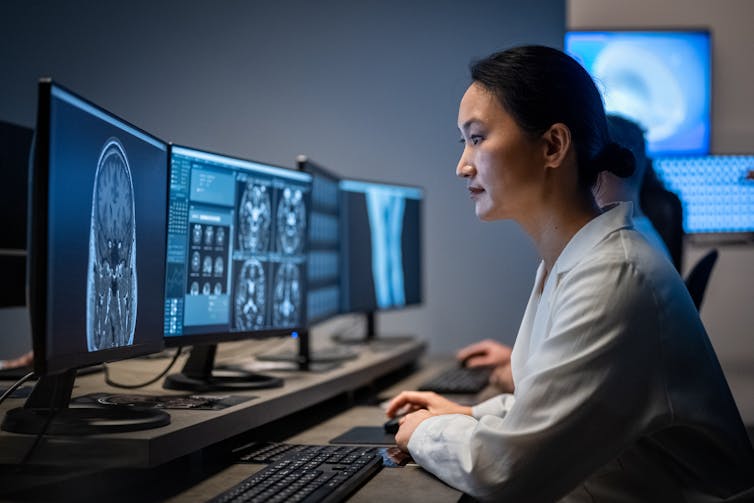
[(613, 218)]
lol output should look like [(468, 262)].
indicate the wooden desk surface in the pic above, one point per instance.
[(190, 479), (192, 430)]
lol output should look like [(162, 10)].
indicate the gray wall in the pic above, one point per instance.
[(369, 89)]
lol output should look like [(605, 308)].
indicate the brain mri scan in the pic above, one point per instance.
[(197, 234), (207, 266), (111, 272), (254, 218), (219, 266), (250, 298), (287, 296), (196, 261), (209, 235), (291, 220)]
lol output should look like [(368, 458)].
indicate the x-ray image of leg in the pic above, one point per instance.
[(386, 225), (291, 219), (250, 299), (111, 273), (287, 296), (254, 218)]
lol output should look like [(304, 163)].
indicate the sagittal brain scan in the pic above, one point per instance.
[(254, 218), (291, 221), (111, 272), (250, 300)]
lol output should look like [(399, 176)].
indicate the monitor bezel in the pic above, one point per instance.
[(218, 337), (705, 30), (38, 245), (422, 293)]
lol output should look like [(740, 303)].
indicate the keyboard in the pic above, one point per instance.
[(304, 473), (459, 380)]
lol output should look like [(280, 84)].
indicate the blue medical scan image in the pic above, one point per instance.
[(112, 279)]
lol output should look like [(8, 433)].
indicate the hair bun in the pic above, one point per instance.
[(616, 159)]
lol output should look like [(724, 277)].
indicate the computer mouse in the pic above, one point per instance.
[(392, 425)]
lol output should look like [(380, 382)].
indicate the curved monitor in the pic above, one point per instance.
[(381, 236), (236, 261), (97, 207), (660, 79)]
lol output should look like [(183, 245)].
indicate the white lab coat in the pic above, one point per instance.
[(619, 395)]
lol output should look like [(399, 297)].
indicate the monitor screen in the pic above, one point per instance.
[(98, 209), (660, 79), (717, 191), (323, 297), (381, 239), (236, 261)]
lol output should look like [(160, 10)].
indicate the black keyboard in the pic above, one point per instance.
[(459, 380), (304, 473)]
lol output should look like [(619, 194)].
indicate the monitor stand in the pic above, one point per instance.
[(47, 410), (371, 336), (197, 375), (308, 359)]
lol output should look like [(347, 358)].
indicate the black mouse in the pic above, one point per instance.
[(392, 425)]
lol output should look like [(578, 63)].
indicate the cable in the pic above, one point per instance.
[(15, 386), (151, 381)]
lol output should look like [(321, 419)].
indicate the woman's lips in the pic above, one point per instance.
[(475, 191)]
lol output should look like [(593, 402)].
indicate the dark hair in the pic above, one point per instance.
[(541, 86), (630, 134)]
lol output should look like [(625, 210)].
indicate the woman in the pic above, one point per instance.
[(619, 395)]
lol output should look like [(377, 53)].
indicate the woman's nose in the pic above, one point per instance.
[(464, 169)]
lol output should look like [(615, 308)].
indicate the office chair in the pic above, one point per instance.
[(698, 277), (664, 210)]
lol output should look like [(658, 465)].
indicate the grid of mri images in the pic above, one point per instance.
[(236, 245)]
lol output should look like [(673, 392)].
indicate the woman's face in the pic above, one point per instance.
[(504, 166)]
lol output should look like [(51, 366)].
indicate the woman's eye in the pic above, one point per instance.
[(475, 139)]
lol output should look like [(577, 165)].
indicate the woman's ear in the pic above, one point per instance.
[(557, 142)]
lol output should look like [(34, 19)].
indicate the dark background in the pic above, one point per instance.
[(369, 89)]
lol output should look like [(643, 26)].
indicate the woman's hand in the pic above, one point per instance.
[(486, 352), (424, 404), (408, 424), (409, 401)]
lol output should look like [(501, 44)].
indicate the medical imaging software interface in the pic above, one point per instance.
[(106, 198), (236, 258), (323, 297), (381, 245)]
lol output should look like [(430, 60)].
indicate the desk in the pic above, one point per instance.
[(311, 408)]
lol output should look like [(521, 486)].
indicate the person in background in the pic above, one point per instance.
[(619, 393), (26, 359), (609, 189)]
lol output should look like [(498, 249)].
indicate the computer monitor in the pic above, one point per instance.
[(381, 247), (661, 79), (236, 260), (717, 194), (15, 145), (323, 296), (97, 206)]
